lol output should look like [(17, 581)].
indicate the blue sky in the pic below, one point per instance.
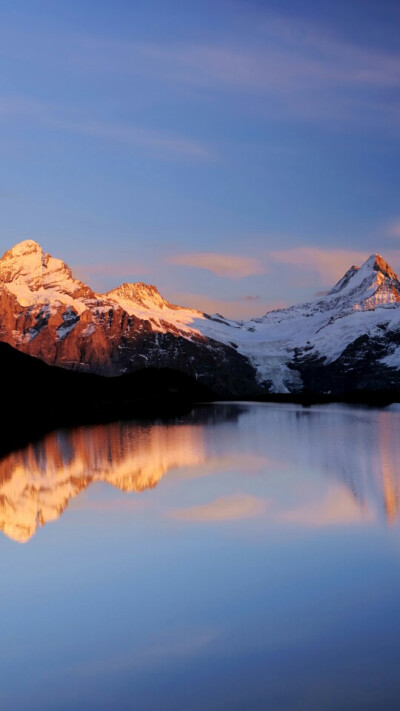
[(240, 155)]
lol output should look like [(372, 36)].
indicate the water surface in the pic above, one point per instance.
[(242, 557)]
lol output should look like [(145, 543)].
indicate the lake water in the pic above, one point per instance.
[(244, 557)]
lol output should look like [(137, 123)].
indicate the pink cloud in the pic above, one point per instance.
[(236, 308), (224, 265), (328, 264)]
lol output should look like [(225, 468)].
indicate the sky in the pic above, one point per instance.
[(240, 155)]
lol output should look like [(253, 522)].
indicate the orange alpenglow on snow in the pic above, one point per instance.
[(47, 313)]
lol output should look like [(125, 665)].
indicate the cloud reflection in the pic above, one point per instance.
[(339, 507), (287, 465), (225, 508)]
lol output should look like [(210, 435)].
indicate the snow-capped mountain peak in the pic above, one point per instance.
[(45, 312), (138, 294), (22, 262), (145, 301), (27, 246), (373, 284), (34, 276), (378, 264)]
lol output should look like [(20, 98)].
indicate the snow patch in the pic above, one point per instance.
[(88, 330)]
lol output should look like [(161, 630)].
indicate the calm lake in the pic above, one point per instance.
[(243, 557)]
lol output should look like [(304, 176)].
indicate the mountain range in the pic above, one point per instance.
[(343, 342)]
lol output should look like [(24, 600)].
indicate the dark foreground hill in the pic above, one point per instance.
[(38, 397)]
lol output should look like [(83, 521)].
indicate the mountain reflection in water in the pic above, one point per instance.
[(357, 449)]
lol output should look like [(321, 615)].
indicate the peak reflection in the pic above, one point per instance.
[(36, 483), (312, 466)]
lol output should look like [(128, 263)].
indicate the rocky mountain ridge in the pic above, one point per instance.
[(46, 313), (347, 339)]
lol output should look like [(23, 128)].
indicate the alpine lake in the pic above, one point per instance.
[(244, 556)]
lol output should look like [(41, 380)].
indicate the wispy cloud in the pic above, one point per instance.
[(236, 308), (181, 643), (157, 141), (161, 143), (252, 298), (306, 71), (329, 264), (225, 508), (283, 53), (304, 267), (393, 229), (224, 265)]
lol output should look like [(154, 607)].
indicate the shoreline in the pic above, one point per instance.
[(17, 431)]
